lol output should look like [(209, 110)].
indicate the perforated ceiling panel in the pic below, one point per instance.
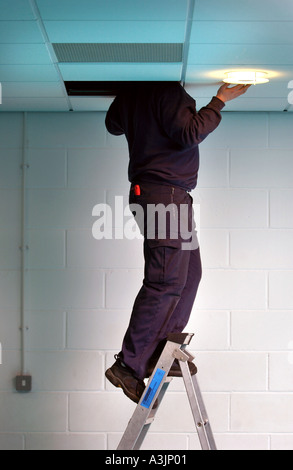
[(119, 53)]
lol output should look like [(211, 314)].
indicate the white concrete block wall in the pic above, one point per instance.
[(80, 291)]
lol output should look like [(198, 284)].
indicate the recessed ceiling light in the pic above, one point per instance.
[(246, 77)]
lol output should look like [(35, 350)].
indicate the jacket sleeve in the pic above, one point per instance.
[(182, 123), (113, 119)]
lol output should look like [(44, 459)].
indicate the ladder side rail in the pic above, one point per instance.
[(197, 412), (208, 427)]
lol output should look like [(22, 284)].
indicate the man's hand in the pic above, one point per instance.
[(227, 94)]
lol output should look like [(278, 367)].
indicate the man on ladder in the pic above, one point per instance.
[(163, 130)]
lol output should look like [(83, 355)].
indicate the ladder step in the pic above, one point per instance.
[(180, 338)]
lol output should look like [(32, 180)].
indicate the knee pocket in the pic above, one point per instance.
[(166, 262)]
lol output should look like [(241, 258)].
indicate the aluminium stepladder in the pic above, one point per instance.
[(158, 384)]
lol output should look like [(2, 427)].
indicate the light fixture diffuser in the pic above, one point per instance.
[(246, 77)]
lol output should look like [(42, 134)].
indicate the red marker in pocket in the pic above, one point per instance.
[(137, 190)]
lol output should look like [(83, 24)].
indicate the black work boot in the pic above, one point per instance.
[(123, 377)]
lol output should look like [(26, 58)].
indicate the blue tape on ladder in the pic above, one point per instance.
[(153, 388)]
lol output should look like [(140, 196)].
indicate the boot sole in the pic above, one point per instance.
[(119, 384)]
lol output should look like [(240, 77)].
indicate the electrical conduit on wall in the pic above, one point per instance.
[(23, 382)]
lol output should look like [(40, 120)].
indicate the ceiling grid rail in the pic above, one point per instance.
[(50, 49), (189, 19)]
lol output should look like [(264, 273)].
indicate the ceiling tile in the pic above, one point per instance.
[(20, 31), (257, 104), (240, 32), (250, 10), (116, 31), (138, 10), (247, 105), (274, 89), (32, 89), (242, 54), (34, 104), (24, 54), (16, 10), (28, 73), (113, 72), (202, 90)]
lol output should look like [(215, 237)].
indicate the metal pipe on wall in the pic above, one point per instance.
[(24, 247)]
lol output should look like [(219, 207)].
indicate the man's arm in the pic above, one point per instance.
[(184, 124)]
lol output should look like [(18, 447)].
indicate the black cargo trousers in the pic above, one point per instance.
[(173, 272)]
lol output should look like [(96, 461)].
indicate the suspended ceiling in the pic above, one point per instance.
[(44, 43)]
